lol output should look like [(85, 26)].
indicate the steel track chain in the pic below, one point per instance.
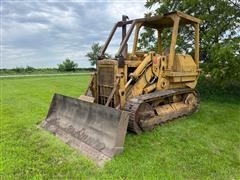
[(133, 104)]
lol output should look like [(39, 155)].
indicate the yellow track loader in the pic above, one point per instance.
[(136, 90)]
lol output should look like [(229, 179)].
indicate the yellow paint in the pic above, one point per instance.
[(151, 71)]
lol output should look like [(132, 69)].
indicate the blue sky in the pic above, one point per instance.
[(44, 33)]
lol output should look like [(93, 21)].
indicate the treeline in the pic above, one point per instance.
[(32, 70), (66, 66)]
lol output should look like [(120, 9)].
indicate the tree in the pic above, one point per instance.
[(225, 63), (19, 69), (29, 69), (67, 65), (219, 33), (93, 55)]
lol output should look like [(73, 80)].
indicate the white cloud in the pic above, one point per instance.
[(132, 9), (41, 34)]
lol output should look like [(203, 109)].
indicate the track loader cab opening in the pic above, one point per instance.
[(138, 89)]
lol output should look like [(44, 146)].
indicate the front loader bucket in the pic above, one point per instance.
[(94, 130)]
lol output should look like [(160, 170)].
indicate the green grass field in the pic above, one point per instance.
[(204, 145)]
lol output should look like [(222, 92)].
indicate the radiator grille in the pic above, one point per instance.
[(106, 78), (106, 75)]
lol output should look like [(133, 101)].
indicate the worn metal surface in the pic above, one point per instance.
[(145, 115), (95, 130), (86, 98), (106, 76)]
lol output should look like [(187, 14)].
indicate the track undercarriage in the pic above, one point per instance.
[(150, 110)]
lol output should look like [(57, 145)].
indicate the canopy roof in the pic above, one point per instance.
[(164, 21), (157, 22)]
